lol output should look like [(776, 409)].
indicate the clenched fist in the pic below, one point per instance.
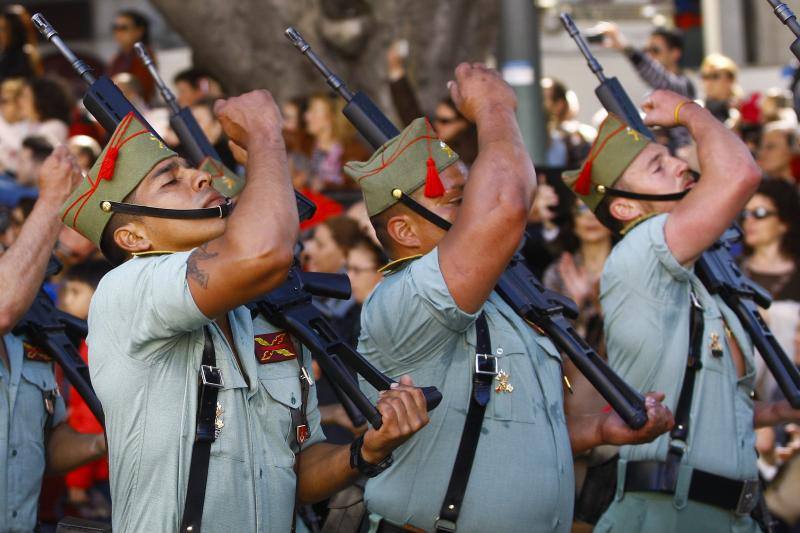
[(253, 116), (478, 88), (58, 176), (660, 107)]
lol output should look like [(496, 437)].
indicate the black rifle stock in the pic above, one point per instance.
[(193, 141), (717, 268), (518, 286), (610, 91)]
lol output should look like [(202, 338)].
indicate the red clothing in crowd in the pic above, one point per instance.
[(82, 420), (326, 208)]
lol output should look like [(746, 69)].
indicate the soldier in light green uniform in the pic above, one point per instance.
[(421, 320), (146, 336), (33, 432), (647, 289)]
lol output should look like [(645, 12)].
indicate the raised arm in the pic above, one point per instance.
[(498, 194), (729, 176), (23, 265), (255, 252)]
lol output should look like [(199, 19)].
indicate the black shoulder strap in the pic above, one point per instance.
[(680, 432), (210, 381), (301, 430), (485, 372)]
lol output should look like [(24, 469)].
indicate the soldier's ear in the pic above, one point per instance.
[(132, 238), (402, 231), (624, 209)]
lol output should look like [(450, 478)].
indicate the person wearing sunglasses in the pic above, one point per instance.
[(130, 27), (719, 74), (658, 64)]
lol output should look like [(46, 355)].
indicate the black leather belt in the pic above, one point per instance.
[(740, 497)]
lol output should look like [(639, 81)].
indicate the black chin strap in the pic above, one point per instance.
[(641, 196), (421, 210), (221, 211)]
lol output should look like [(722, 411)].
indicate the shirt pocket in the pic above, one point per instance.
[(36, 399), (231, 413), (282, 384)]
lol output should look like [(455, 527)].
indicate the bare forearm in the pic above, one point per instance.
[(767, 414), (585, 431), (324, 469), (67, 449), (23, 265), (265, 216)]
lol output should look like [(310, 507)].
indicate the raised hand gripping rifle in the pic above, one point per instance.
[(289, 305), (518, 286), (716, 268), (57, 333)]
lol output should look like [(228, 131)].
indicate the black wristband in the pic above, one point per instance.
[(358, 462)]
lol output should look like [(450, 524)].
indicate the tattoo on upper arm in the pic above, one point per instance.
[(193, 269)]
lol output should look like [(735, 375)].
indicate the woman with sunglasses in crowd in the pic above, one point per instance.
[(129, 28)]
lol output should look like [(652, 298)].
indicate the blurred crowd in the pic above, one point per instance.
[(566, 244)]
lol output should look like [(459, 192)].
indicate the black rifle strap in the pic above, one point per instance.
[(301, 431), (210, 380), (680, 432), (485, 372)]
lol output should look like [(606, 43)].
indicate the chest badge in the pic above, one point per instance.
[(503, 383), (274, 347), (219, 422), (715, 346)]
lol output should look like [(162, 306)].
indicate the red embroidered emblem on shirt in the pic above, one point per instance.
[(274, 347), (35, 354)]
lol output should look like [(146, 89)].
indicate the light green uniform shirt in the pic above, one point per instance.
[(23, 417), (522, 477), (145, 347), (645, 299)]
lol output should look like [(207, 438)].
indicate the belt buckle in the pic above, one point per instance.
[(442, 524), (748, 499), (211, 376), (485, 365)]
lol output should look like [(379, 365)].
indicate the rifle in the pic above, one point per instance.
[(108, 106), (289, 306), (57, 333), (716, 268), (518, 286), (785, 15)]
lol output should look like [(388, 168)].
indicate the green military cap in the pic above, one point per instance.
[(227, 182), (128, 157), (614, 149), (407, 162)]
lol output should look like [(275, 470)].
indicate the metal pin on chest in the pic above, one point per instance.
[(503, 383), (219, 423)]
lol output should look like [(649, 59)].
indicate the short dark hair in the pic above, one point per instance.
[(787, 204), (140, 21), (378, 254), (89, 272), (603, 214), (193, 76), (39, 147), (345, 231), (108, 246), (51, 98), (673, 38)]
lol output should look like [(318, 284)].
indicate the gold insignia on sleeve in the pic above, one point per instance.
[(503, 384)]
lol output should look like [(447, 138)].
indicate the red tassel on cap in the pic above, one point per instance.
[(109, 164), (433, 183), (583, 185)]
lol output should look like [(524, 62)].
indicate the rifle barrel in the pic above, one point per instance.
[(583, 46), (785, 15), (333, 81), (49, 33), (166, 94)]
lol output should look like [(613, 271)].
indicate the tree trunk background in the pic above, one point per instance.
[(242, 41)]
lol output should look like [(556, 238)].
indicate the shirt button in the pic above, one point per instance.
[(13, 453), (14, 514)]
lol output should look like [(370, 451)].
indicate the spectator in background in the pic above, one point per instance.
[(195, 84), (203, 111), (85, 150), (35, 150), (777, 150), (19, 57), (79, 284), (364, 260), (722, 93), (449, 123), (334, 143), (13, 126), (298, 141), (561, 107), (131, 27), (47, 105)]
